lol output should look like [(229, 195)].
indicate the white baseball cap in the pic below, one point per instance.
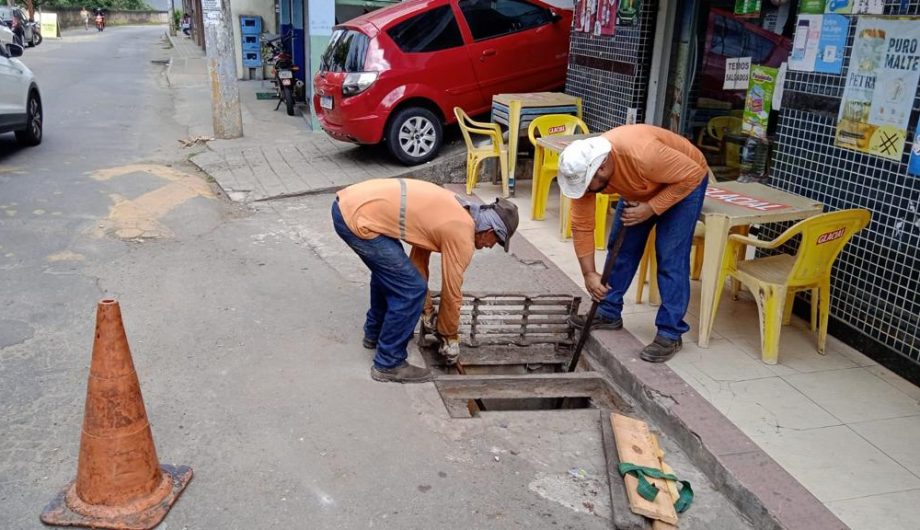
[(579, 162)]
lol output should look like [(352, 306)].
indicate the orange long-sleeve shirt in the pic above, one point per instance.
[(435, 222), (651, 165)]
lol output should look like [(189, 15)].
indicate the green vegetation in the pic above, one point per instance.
[(113, 5)]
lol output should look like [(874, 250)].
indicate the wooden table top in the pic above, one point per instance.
[(753, 202), (537, 99), (557, 143)]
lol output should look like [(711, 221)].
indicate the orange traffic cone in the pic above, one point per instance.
[(120, 483)]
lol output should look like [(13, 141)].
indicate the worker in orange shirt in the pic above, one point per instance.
[(373, 217), (661, 178)]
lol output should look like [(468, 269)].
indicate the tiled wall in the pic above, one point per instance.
[(611, 73), (876, 282)]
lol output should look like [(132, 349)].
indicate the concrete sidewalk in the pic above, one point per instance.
[(278, 156)]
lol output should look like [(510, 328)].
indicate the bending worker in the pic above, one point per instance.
[(372, 217), (661, 178)]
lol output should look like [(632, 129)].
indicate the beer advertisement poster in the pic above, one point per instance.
[(881, 82)]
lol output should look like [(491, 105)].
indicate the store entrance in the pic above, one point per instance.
[(699, 103)]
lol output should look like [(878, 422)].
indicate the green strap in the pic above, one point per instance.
[(649, 491)]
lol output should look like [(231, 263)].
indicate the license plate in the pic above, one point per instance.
[(285, 82), (325, 102), (285, 74)]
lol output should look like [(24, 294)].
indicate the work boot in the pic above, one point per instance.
[(660, 350), (599, 322), (404, 373), (369, 343)]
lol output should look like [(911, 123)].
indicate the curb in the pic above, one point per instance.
[(759, 488)]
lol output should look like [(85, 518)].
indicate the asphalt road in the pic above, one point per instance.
[(244, 324)]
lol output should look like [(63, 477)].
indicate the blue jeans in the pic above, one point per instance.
[(673, 239), (397, 292)]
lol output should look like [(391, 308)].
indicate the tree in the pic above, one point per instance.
[(111, 5)]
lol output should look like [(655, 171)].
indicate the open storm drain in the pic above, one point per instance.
[(515, 354)]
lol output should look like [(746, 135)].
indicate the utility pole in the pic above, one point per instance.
[(225, 94)]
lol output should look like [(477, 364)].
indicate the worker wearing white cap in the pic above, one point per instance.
[(661, 178)]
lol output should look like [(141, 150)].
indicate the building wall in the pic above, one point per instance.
[(69, 17), (611, 73), (249, 8), (876, 281), (877, 277)]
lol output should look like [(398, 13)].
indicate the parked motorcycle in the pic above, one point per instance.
[(33, 30), (283, 69)]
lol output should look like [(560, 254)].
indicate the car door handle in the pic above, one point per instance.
[(490, 52)]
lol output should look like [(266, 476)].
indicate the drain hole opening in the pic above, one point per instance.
[(520, 404)]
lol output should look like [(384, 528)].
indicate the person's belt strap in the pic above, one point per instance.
[(402, 208)]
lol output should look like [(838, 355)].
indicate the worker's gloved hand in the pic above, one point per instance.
[(450, 349), (430, 322)]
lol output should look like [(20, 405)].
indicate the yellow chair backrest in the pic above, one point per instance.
[(823, 237), (468, 126), (553, 124), (718, 126)]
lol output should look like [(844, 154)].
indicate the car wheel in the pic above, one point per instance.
[(414, 135), (32, 134)]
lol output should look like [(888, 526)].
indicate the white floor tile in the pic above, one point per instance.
[(891, 511), (765, 406), (899, 438), (835, 463), (854, 395), (837, 346), (910, 389), (798, 352), (722, 360)]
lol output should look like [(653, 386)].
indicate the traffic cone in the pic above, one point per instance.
[(120, 484)]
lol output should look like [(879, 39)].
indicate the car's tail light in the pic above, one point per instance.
[(357, 82)]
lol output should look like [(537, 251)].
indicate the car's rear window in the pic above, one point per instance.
[(428, 32), (346, 51)]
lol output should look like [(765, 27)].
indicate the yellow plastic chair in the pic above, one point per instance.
[(774, 280), (648, 265), (476, 154), (601, 207), (712, 136), (546, 163)]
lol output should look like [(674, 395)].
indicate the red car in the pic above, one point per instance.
[(395, 75)]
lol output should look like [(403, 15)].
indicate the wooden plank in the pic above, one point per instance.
[(512, 355), (671, 490), (634, 445), (580, 384), (623, 517), (457, 390)]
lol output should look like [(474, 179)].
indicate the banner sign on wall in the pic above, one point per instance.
[(759, 101), (913, 167), (871, 7), (805, 43), (584, 15), (832, 43), (606, 23), (812, 7), (880, 87), (737, 73), (628, 12), (747, 8)]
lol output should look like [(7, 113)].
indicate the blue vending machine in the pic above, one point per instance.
[(251, 46)]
